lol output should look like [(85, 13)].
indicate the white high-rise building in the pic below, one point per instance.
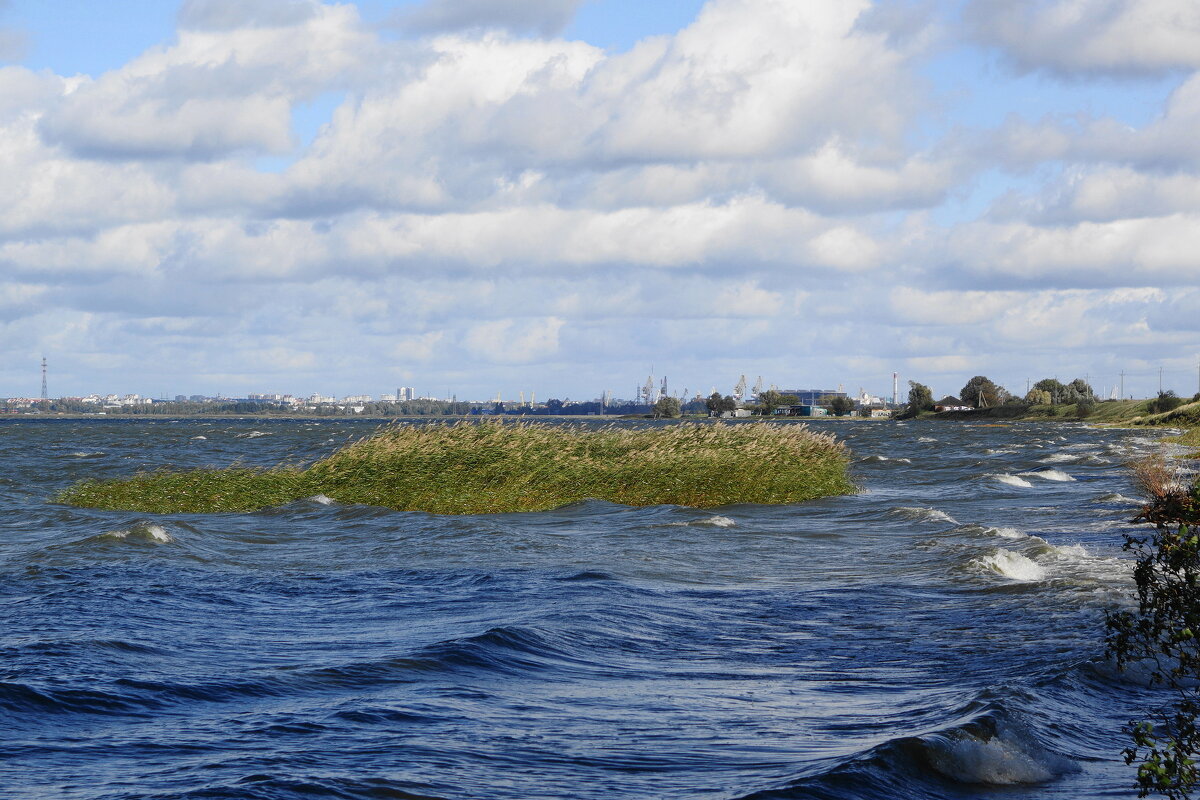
[(406, 393)]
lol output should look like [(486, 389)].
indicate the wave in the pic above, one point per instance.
[(1011, 565), (884, 459), (1116, 498), (996, 755), (251, 434), (1060, 458), (716, 521), (321, 499), (1050, 474), (146, 532), (1010, 480), (990, 750), (923, 514)]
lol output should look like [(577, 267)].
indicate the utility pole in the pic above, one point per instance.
[(1160, 370), (1122, 384), (45, 396)]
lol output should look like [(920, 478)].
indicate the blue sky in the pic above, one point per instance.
[(552, 196)]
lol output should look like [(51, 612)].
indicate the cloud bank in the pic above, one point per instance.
[(773, 189)]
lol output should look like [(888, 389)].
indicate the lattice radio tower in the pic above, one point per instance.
[(45, 396)]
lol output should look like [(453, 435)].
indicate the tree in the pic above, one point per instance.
[(1038, 397), (716, 404), (1078, 390), (841, 406), (980, 392), (713, 404), (667, 407), (768, 401), (1058, 392), (920, 398), (1166, 401)]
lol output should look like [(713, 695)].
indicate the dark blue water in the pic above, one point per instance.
[(938, 636)]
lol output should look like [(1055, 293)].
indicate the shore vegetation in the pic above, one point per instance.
[(493, 467), (1159, 636)]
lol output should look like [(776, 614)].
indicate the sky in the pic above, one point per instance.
[(559, 197)]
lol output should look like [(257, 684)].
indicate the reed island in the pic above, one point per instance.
[(496, 467)]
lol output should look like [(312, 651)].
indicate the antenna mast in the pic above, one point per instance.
[(45, 396)]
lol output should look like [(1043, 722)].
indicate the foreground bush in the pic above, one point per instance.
[(470, 468), (1160, 635)]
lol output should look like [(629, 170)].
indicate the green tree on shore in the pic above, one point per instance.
[(920, 398), (840, 406), (981, 392), (1056, 390), (668, 407)]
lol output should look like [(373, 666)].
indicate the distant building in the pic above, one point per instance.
[(813, 397), (951, 403), (405, 393)]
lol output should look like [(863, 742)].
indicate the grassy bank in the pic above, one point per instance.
[(469, 468)]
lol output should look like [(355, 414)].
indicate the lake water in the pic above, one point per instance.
[(938, 636)]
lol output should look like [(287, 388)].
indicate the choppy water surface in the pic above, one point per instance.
[(938, 636)]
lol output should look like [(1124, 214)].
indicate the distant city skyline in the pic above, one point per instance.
[(243, 196)]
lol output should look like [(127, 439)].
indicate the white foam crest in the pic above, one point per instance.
[(1059, 458), (926, 514), (716, 521), (1008, 533), (252, 435), (158, 533), (1079, 562), (995, 451), (1013, 566), (1010, 480), (1050, 475), (881, 459), (1114, 497), (1004, 759), (87, 453), (322, 499), (199, 437), (926, 439), (152, 531)]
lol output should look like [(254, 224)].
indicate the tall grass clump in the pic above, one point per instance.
[(469, 468)]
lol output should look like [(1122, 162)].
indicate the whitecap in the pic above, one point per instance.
[(924, 514), (152, 531), (1013, 566), (1059, 458), (1050, 475), (926, 439), (1011, 480), (716, 521), (1117, 499), (199, 437), (882, 459), (1008, 533), (252, 435), (1003, 759), (158, 533), (322, 499)]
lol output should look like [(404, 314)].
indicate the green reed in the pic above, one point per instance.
[(488, 467)]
